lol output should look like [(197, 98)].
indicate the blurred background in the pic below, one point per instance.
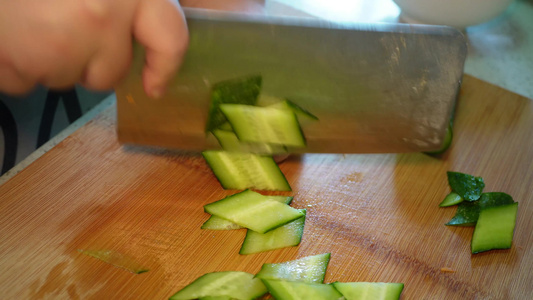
[(499, 34)]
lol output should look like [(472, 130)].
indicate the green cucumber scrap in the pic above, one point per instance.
[(243, 90), (451, 199), (467, 186), (468, 212), (306, 269)]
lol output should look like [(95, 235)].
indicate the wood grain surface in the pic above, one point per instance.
[(378, 215)]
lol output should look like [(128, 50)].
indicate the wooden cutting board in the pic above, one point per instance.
[(378, 215)]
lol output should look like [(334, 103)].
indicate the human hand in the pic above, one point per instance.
[(58, 43)]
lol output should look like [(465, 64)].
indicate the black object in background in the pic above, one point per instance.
[(9, 128)]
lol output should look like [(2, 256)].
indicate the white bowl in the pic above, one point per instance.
[(456, 13)]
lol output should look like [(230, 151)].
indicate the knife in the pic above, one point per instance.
[(375, 88)]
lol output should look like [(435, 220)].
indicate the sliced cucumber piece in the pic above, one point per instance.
[(246, 170), (287, 235), (447, 141), (467, 186), (494, 228), (468, 212), (225, 126), (253, 211), (264, 125), (306, 269), (451, 199), (301, 113), (296, 290), (217, 223), (117, 259), (241, 90), (369, 290), (238, 285), (229, 142), (216, 298)]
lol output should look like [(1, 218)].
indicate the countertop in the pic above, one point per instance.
[(500, 51)]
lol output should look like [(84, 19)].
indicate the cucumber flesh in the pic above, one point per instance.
[(301, 113), (241, 90), (451, 199), (253, 211), (216, 298), (246, 170), (295, 290), (229, 142), (306, 269), (217, 223), (264, 125), (369, 290), (237, 285), (288, 235), (226, 126), (495, 228)]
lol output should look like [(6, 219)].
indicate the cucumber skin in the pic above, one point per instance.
[(243, 90), (467, 186), (480, 243), (468, 212)]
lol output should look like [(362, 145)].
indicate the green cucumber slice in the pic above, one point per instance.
[(216, 298), (369, 290), (280, 103), (217, 223), (468, 212), (467, 186), (264, 125), (253, 211), (241, 90), (229, 142), (225, 126), (288, 235), (306, 269), (238, 285), (447, 141), (241, 171), (494, 228), (296, 290), (301, 113), (451, 199)]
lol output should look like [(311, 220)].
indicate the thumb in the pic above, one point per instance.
[(160, 26)]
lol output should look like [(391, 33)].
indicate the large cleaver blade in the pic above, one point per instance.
[(375, 88)]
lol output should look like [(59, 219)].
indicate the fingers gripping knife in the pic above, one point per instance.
[(383, 88)]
